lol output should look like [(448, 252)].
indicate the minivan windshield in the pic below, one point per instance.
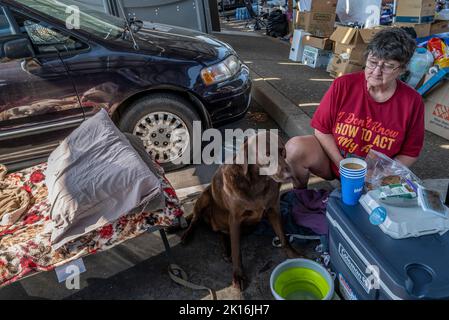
[(70, 12)]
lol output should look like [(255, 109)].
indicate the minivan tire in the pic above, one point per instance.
[(165, 103)]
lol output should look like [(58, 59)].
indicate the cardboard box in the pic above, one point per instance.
[(316, 58), (318, 42), (350, 52), (415, 11), (439, 27), (352, 43), (319, 24), (437, 111), (318, 5), (339, 66), (422, 29)]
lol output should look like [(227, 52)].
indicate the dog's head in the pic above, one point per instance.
[(266, 153)]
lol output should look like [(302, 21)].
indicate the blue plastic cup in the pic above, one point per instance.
[(351, 189), (352, 174)]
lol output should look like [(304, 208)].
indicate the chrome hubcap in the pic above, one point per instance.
[(164, 135)]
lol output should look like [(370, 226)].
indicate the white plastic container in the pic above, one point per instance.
[(297, 47), (377, 212), (406, 222), (420, 63)]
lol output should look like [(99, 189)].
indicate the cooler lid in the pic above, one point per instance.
[(411, 268), (409, 219)]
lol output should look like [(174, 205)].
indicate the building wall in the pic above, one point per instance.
[(193, 14)]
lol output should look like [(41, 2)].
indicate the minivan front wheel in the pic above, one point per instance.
[(164, 122)]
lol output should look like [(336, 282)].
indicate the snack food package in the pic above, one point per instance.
[(402, 190), (384, 171), (436, 47), (439, 51)]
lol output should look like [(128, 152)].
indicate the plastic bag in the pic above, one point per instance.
[(442, 15), (361, 12), (439, 51), (383, 171), (431, 201), (437, 47)]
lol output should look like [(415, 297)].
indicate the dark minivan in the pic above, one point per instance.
[(61, 61)]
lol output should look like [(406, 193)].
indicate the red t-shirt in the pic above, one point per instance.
[(359, 123)]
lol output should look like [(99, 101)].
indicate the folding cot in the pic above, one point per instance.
[(25, 246)]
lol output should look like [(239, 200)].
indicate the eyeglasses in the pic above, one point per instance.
[(384, 68)]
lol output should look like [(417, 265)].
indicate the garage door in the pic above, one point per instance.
[(193, 14)]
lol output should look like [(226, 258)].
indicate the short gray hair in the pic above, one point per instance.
[(392, 44)]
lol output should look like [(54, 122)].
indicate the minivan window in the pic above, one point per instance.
[(5, 27), (95, 22), (45, 38)]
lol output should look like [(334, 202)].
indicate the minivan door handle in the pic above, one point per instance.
[(31, 65)]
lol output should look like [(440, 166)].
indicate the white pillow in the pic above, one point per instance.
[(94, 177)]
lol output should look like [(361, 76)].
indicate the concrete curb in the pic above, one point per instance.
[(287, 115)]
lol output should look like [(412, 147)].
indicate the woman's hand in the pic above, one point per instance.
[(328, 143), (406, 160)]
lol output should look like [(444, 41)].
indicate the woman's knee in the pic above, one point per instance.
[(297, 147)]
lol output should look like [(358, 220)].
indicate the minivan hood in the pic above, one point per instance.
[(182, 43)]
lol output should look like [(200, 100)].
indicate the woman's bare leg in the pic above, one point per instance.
[(305, 155)]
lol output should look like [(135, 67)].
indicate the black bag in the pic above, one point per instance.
[(277, 25)]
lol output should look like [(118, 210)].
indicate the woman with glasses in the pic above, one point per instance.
[(361, 111)]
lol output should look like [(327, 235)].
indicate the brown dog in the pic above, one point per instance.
[(240, 196)]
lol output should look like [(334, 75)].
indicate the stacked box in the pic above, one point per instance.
[(353, 42), (422, 29), (315, 57), (349, 49), (441, 26), (318, 42), (317, 17), (415, 11), (339, 66), (318, 5), (418, 14), (437, 111)]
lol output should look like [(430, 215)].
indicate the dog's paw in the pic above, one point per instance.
[(239, 280)]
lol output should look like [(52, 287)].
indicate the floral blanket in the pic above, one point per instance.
[(25, 247)]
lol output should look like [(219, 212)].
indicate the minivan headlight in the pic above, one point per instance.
[(221, 71)]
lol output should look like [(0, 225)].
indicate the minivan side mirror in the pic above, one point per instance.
[(18, 49)]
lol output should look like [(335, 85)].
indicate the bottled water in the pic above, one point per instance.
[(420, 63), (378, 215)]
